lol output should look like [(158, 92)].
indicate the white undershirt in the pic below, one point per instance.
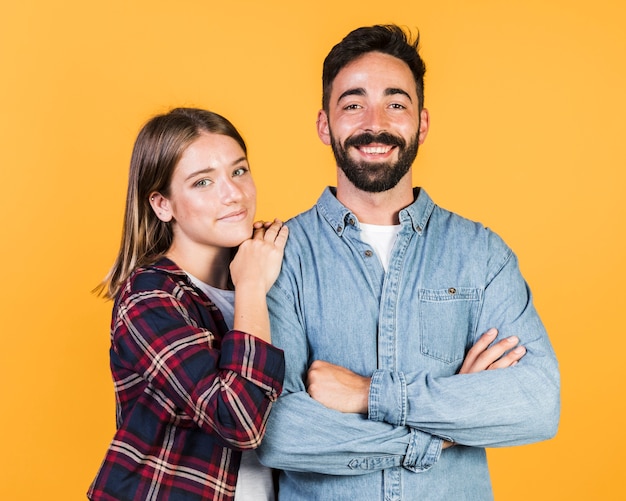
[(254, 482), (381, 238)]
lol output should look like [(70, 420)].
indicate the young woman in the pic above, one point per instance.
[(194, 369)]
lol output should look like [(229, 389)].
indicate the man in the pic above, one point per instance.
[(380, 296)]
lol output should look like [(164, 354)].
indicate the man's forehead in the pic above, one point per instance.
[(374, 72)]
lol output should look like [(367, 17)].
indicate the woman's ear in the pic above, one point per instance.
[(161, 207)]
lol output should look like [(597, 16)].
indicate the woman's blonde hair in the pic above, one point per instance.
[(157, 150)]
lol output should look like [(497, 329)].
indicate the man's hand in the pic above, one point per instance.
[(338, 388), (482, 357), (341, 389), (499, 356)]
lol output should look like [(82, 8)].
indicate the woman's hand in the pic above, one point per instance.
[(258, 259), (253, 270)]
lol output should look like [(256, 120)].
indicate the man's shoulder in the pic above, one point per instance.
[(302, 218), (305, 230), (305, 222), (453, 226), (456, 219)]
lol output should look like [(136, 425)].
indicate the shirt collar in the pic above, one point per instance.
[(339, 216), (168, 266)]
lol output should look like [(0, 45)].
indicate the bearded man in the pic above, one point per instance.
[(411, 340)]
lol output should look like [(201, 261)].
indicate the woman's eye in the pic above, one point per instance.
[(240, 171), (202, 183)]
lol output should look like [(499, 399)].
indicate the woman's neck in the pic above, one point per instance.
[(211, 266)]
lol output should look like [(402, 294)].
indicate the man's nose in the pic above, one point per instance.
[(375, 119)]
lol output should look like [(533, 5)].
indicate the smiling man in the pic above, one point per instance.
[(377, 122), (410, 336)]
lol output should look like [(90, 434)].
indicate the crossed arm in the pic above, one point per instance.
[(341, 389), (326, 420), (299, 436)]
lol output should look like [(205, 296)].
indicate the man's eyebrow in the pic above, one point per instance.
[(358, 91), (391, 91)]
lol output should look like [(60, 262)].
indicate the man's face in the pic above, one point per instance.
[(373, 123)]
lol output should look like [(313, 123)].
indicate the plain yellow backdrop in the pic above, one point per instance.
[(527, 103)]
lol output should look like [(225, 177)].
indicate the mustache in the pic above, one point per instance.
[(369, 138)]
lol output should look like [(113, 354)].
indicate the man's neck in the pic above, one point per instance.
[(376, 208)]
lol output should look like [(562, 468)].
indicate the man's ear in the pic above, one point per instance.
[(424, 125), (161, 207), (323, 130)]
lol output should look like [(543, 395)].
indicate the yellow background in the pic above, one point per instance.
[(527, 100)]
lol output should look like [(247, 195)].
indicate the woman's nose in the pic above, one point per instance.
[(230, 191)]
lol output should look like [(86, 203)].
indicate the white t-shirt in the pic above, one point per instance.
[(254, 482), (381, 238)]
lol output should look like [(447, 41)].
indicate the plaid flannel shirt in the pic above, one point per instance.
[(190, 395)]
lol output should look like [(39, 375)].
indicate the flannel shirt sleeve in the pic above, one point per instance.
[(225, 387)]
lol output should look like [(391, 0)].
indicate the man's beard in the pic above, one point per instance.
[(375, 177)]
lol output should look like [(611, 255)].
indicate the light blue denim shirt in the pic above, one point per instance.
[(449, 280)]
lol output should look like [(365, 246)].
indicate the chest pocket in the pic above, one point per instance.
[(447, 319)]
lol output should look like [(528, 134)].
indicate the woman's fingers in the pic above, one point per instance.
[(278, 232), (258, 229), (259, 259), (271, 231)]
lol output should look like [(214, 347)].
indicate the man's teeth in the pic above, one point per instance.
[(374, 150)]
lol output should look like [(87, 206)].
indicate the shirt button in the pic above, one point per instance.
[(451, 290), (368, 253), (339, 228), (351, 221)]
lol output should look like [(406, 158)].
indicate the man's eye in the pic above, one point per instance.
[(398, 106), (352, 107)]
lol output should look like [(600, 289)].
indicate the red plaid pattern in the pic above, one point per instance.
[(190, 394)]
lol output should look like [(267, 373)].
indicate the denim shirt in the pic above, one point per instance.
[(449, 280)]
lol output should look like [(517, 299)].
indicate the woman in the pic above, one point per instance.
[(195, 374)]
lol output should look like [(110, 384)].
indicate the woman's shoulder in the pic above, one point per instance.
[(164, 292), (163, 275)]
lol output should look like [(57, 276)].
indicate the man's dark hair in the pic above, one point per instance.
[(388, 39)]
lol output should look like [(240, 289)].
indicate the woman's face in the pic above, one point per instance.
[(212, 197)]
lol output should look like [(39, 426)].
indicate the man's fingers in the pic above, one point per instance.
[(493, 353), (482, 356), (475, 351), (510, 359)]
